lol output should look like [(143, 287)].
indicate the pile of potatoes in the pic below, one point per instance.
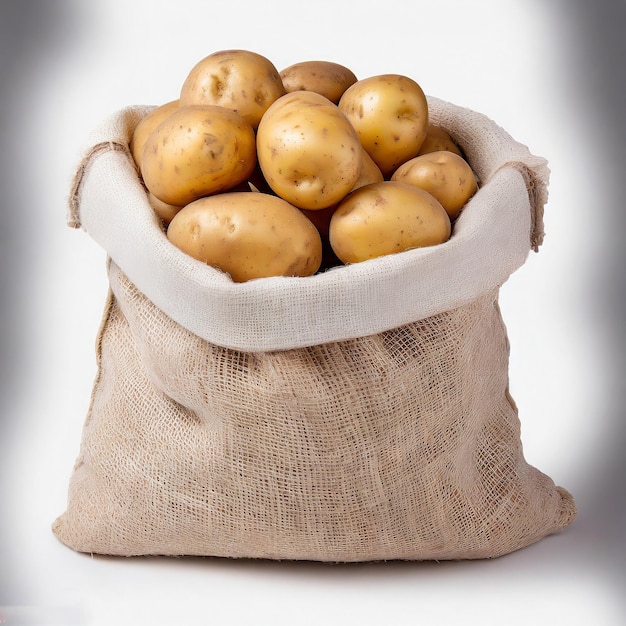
[(264, 173)]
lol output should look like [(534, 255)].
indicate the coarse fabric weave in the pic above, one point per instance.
[(492, 238), (361, 414)]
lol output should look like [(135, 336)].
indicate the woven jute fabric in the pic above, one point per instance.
[(491, 239), (362, 441)]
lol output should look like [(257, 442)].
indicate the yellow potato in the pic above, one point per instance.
[(308, 151), (321, 219), (369, 173), (243, 81), (248, 235), (390, 115), (198, 151), (438, 138), (164, 211), (386, 218), (324, 77), (146, 125), (443, 174)]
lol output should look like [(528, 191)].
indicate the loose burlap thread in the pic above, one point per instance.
[(402, 443)]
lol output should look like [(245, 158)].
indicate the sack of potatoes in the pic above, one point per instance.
[(306, 139), (302, 354)]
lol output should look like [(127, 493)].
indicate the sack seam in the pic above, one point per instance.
[(104, 323), (537, 192), (104, 147)]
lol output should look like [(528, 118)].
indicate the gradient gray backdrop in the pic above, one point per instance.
[(34, 34)]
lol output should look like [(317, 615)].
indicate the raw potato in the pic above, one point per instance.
[(324, 77), (445, 175), (164, 211), (321, 217), (386, 218), (243, 81), (248, 235), (198, 151), (370, 172), (266, 173), (308, 151), (438, 138), (146, 125), (390, 115)]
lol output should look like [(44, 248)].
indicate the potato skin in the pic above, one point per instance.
[(146, 125), (248, 235), (369, 172), (321, 217), (165, 212), (197, 151), (390, 115), (438, 138), (442, 173), (386, 218), (324, 77), (241, 80), (308, 151)]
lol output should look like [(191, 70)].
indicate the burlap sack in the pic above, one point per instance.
[(361, 414)]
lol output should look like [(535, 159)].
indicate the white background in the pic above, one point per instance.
[(527, 64)]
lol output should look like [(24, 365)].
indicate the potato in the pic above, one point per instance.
[(438, 138), (146, 125), (308, 151), (164, 211), (248, 235), (369, 173), (197, 151), (390, 115), (321, 217), (386, 218), (443, 174), (324, 77), (243, 81)]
